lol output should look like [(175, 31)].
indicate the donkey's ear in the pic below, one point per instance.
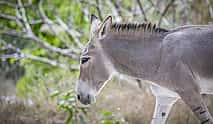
[(105, 26), (93, 18), (94, 21)]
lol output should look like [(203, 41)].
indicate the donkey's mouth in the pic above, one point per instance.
[(86, 99)]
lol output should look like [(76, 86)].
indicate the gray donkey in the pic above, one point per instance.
[(178, 63)]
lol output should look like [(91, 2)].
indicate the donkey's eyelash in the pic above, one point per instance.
[(84, 60)]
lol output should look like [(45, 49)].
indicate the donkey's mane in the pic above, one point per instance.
[(126, 28)]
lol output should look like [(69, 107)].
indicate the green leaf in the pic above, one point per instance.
[(117, 122), (26, 50), (107, 122), (12, 60), (106, 113), (39, 52), (56, 42)]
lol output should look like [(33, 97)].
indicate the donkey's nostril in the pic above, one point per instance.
[(78, 96)]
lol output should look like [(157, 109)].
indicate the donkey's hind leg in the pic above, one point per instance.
[(165, 99), (189, 92)]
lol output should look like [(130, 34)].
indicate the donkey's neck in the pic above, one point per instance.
[(134, 55)]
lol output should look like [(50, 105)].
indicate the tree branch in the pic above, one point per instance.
[(13, 18), (165, 11), (13, 5), (63, 25), (8, 4), (73, 33), (142, 10), (8, 17), (24, 18), (210, 8), (116, 9), (19, 54), (65, 52), (98, 9), (28, 34)]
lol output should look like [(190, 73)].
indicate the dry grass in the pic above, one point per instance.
[(134, 104), (137, 105), (129, 102), (17, 112)]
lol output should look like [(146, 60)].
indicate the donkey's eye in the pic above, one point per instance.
[(84, 60)]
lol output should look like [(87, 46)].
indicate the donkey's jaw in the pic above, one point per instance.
[(104, 83)]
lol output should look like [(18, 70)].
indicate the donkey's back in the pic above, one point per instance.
[(194, 45)]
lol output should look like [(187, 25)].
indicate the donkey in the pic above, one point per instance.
[(176, 62)]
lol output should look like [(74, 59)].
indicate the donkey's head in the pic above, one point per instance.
[(94, 66)]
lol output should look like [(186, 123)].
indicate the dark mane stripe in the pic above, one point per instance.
[(144, 27)]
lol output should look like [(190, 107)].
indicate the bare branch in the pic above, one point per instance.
[(210, 8), (142, 10), (7, 4), (51, 24), (65, 52), (12, 32), (63, 25), (165, 11), (55, 29), (73, 33), (13, 5), (50, 62), (85, 9), (154, 6), (8, 56), (87, 3), (13, 18), (116, 9), (22, 55), (27, 32), (38, 21), (98, 9), (122, 9), (24, 18), (8, 17), (19, 54)]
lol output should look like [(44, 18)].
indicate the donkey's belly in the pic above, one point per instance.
[(206, 85)]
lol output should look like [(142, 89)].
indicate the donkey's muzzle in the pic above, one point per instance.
[(85, 98)]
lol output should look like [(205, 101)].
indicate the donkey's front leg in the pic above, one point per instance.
[(195, 102), (165, 99)]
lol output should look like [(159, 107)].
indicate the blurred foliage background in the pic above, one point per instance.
[(40, 44)]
